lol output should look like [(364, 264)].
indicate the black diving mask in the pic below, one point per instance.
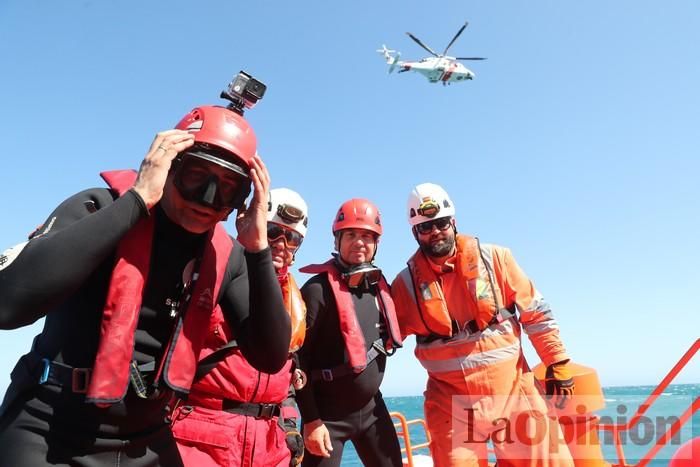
[(197, 180), (356, 275)]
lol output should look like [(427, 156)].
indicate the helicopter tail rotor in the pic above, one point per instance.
[(390, 59), (386, 52)]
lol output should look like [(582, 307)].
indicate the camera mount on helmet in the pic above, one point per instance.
[(243, 92)]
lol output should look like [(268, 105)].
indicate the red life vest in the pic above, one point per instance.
[(355, 344), (110, 374), (234, 377)]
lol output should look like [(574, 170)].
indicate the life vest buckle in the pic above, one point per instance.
[(62, 375), (471, 327), (379, 346), (80, 380), (327, 374), (267, 411), (46, 371)]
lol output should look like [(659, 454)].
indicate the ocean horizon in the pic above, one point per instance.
[(621, 403)]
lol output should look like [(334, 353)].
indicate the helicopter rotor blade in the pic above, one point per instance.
[(470, 58), (455, 38), (422, 44)]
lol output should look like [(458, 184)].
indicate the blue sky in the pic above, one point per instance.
[(576, 145)]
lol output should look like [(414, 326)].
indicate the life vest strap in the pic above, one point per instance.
[(330, 374), (75, 379), (251, 409), (503, 314), (248, 409), (471, 327), (64, 376), (210, 362)]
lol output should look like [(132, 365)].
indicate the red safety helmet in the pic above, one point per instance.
[(358, 213), (224, 129)]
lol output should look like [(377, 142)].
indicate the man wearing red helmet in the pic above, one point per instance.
[(128, 279), (351, 326)]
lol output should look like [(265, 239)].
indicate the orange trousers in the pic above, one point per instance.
[(516, 423)]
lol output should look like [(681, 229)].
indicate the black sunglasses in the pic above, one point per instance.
[(292, 237), (426, 227)]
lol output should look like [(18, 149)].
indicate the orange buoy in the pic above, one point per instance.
[(578, 423)]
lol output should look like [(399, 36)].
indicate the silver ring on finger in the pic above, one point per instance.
[(160, 146)]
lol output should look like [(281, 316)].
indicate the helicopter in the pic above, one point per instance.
[(439, 68)]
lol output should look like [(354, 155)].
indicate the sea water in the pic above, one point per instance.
[(621, 405)]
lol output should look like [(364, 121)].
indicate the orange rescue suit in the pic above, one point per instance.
[(463, 314)]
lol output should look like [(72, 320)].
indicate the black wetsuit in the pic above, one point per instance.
[(351, 406), (63, 274)]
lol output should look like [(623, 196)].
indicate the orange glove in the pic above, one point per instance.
[(559, 384)]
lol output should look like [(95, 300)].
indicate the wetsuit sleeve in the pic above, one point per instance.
[(253, 305), (535, 313), (312, 293), (77, 237)]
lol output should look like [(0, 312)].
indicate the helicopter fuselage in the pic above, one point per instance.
[(438, 69)]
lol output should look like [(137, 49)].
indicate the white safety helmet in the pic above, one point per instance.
[(288, 208), (427, 202)]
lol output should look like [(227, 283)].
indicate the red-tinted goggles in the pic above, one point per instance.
[(426, 227), (291, 237)]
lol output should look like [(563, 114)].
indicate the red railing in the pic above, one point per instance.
[(661, 441), (403, 432)]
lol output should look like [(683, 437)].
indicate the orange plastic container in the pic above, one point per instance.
[(578, 423)]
